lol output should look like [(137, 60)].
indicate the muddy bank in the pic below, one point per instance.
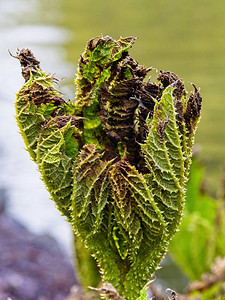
[(31, 267)]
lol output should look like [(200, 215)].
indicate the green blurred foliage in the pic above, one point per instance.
[(202, 232), (212, 293)]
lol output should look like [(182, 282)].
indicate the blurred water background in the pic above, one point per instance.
[(186, 37)]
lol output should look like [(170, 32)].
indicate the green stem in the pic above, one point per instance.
[(86, 266)]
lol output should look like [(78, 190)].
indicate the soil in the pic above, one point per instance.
[(32, 267)]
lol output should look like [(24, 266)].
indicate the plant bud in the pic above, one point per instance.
[(116, 161)]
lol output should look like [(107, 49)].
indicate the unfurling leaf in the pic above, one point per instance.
[(116, 161)]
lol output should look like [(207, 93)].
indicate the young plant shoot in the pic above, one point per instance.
[(115, 161)]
